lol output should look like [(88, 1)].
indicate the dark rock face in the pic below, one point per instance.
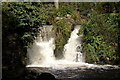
[(46, 76)]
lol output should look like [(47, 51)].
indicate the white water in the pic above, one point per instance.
[(72, 50), (42, 52)]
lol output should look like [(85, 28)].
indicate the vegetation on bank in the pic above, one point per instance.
[(101, 41), (100, 25)]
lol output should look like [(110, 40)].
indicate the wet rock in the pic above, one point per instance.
[(46, 76)]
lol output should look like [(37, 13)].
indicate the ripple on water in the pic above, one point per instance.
[(78, 72)]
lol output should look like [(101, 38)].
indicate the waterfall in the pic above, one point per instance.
[(42, 51), (41, 56), (73, 49)]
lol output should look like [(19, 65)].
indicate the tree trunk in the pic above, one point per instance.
[(56, 4)]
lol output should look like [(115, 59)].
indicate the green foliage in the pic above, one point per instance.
[(62, 29), (100, 33), (107, 7), (65, 9), (27, 18)]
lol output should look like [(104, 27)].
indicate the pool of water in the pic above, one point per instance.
[(76, 73)]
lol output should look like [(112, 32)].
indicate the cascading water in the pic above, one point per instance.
[(72, 66), (73, 49), (42, 52)]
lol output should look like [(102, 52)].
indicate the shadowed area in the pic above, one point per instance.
[(46, 76)]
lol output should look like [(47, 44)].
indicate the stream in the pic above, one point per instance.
[(105, 72), (43, 65)]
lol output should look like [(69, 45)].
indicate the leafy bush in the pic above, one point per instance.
[(100, 44), (62, 33)]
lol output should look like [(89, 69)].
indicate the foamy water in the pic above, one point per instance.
[(42, 53)]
